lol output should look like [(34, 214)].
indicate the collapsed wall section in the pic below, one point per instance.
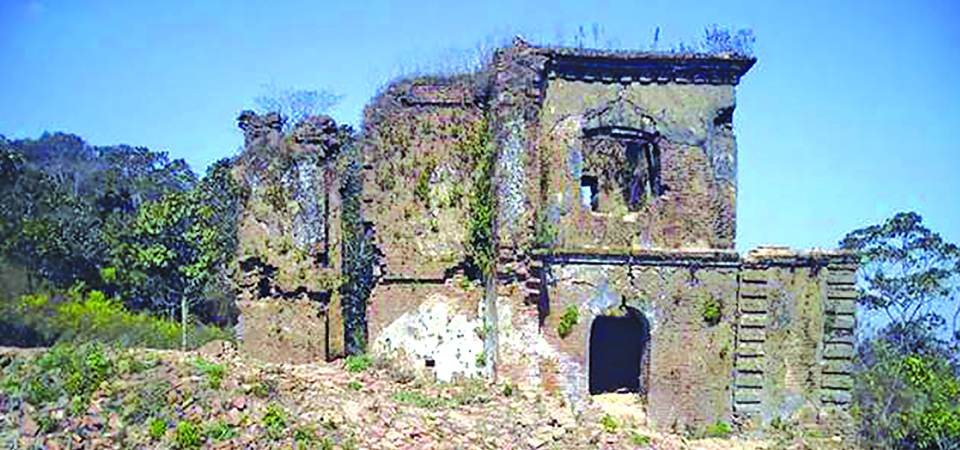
[(288, 238)]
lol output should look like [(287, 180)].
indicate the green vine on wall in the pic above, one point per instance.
[(480, 246), (422, 190), (359, 258)]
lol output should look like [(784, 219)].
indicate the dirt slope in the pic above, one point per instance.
[(324, 405)]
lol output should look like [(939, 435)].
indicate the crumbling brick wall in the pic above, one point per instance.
[(743, 341), (288, 237), (417, 174), (795, 338), (695, 206)]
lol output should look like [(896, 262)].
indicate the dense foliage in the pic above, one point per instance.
[(907, 383), (480, 245), (124, 221)]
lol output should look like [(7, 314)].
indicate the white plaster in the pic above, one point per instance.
[(437, 332)]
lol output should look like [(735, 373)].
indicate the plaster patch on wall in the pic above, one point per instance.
[(437, 332), (603, 299), (511, 172)]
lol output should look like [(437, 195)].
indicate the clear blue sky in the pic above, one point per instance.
[(845, 120)]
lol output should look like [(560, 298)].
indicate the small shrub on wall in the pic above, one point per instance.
[(568, 320)]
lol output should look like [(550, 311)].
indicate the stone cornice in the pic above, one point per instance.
[(644, 67)]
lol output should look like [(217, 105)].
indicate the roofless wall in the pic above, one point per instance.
[(615, 178)]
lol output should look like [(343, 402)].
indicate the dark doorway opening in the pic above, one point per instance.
[(617, 346)]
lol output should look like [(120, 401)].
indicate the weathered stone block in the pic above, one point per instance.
[(741, 396), (753, 320), (756, 276), (837, 366), (841, 322), (748, 380), (836, 381), (834, 291), (747, 408), (841, 306), (841, 276), (754, 290), (754, 305), (750, 349), (751, 335), (750, 364), (837, 351), (836, 396)]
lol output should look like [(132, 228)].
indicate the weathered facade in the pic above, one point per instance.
[(289, 239), (614, 179)]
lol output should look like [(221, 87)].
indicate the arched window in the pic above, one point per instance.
[(623, 158)]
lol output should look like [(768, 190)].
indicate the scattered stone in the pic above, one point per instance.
[(30, 427), (536, 442)]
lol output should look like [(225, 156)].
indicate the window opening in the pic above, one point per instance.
[(588, 192)]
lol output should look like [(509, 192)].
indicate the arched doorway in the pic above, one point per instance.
[(617, 346)]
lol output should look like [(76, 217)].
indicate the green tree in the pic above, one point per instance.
[(906, 270), (907, 377)]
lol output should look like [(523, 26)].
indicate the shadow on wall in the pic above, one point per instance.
[(617, 346)]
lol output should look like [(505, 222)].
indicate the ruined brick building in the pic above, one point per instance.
[(615, 179)]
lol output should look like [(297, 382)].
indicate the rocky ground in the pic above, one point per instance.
[(338, 405)]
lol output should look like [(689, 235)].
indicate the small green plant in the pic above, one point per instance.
[(305, 433), (418, 399), (609, 423), (423, 183), (326, 443), (482, 331), (67, 371), (355, 385), (545, 230), (481, 359), (719, 429), (213, 372), (263, 388), (187, 435), (275, 422), (712, 311), (568, 320), (158, 428), (639, 439), (507, 389), (47, 424), (357, 363), (220, 430), (472, 394), (350, 443), (78, 404), (146, 402)]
